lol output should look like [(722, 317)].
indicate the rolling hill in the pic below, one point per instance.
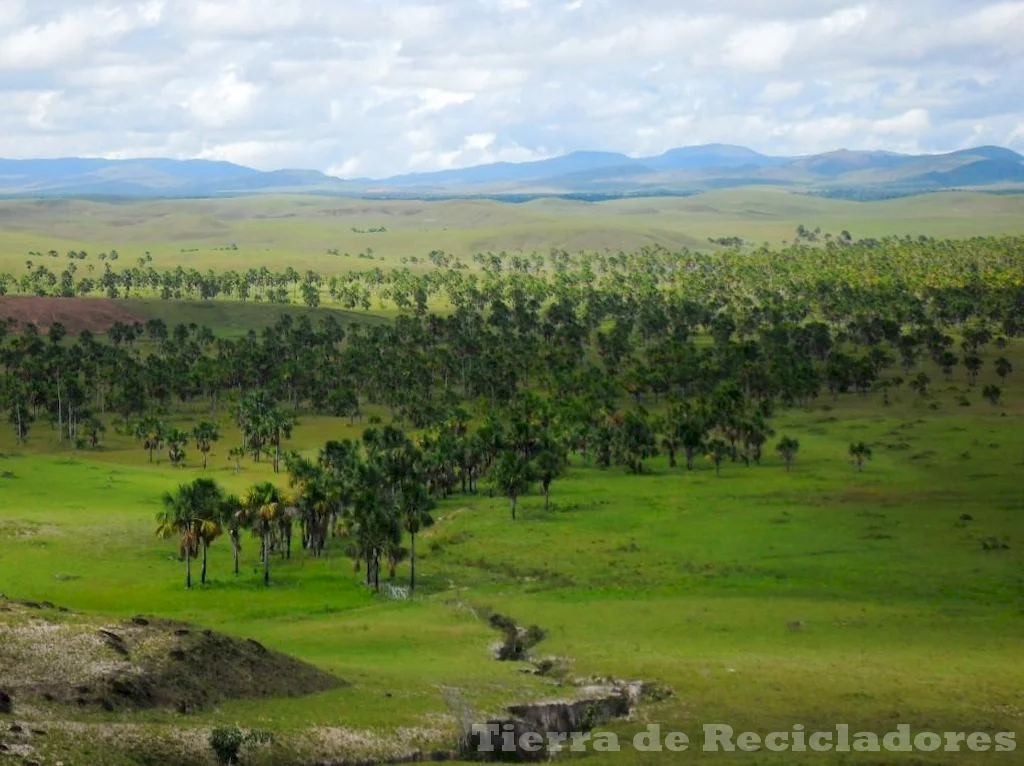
[(685, 170)]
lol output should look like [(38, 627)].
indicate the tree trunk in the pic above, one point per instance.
[(512, 500), (206, 548), (234, 548), (266, 558), (60, 414), (188, 566), (412, 562)]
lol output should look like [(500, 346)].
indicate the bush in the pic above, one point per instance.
[(994, 544), (227, 744)]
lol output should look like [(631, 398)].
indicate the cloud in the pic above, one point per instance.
[(761, 48), (223, 101), (372, 89), (777, 91)]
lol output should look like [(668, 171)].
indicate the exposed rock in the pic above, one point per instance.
[(602, 700), (115, 642), (140, 664), (517, 641)]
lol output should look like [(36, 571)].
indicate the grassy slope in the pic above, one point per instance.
[(687, 579), (297, 231)]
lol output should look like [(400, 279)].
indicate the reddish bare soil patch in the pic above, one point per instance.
[(76, 314)]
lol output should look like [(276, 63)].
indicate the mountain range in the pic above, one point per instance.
[(688, 170)]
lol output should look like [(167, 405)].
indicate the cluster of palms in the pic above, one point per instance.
[(369, 493), (154, 434), (200, 512), (926, 270), (600, 331)]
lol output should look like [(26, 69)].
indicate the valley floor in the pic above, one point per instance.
[(765, 599)]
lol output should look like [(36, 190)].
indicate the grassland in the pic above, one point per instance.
[(298, 231), (764, 598)]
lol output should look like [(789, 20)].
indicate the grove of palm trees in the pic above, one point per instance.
[(780, 485)]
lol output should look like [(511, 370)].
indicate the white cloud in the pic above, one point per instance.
[(760, 48), (911, 123), (362, 87), (60, 39), (437, 100), (222, 101), (778, 91), (481, 141)]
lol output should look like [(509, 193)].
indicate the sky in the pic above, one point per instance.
[(371, 88)]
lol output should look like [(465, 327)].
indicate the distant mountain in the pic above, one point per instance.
[(684, 170), (980, 173)]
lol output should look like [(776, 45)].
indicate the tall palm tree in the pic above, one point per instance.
[(512, 475), (1003, 367), (265, 505), (860, 452), (993, 394), (718, 449), (205, 434), (414, 509), (234, 516), (788, 447), (208, 529), (184, 514)]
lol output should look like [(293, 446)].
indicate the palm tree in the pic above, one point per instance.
[(414, 509), (860, 452), (512, 474), (788, 447), (671, 430), (920, 384), (1003, 368), (717, 451), (947, 361), (694, 434), (237, 453), (184, 514), (550, 464), (973, 364), (279, 426), (234, 515), (176, 440), (150, 431), (205, 435), (208, 529), (264, 505), (993, 394)]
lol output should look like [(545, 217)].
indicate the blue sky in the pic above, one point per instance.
[(361, 88)]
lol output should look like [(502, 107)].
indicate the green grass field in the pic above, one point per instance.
[(280, 231), (763, 598)]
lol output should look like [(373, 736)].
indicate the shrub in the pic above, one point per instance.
[(227, 744)]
